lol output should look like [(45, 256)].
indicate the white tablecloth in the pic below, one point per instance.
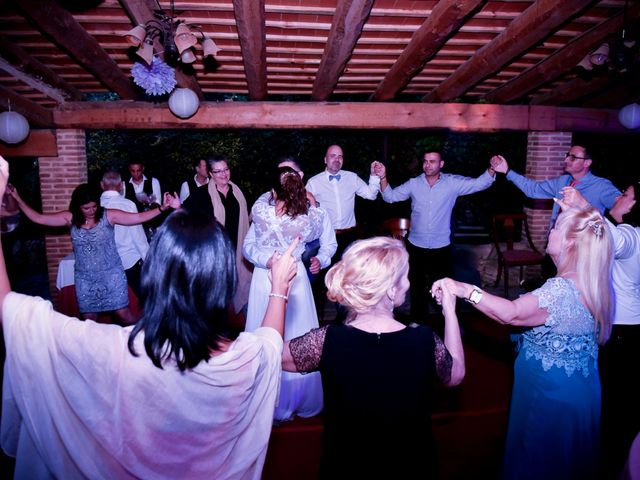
[(65, 271)]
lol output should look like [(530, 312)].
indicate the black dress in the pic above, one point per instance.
[(377, 396)]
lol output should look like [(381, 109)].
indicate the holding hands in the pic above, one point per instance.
[(378, 169), (499, 164), (445, 292), (170, 201)]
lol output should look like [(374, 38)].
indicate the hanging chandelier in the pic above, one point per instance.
[(177, 38)]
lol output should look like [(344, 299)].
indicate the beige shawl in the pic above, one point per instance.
[(244, 267)]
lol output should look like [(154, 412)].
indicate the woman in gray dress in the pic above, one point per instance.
[(101, 284)]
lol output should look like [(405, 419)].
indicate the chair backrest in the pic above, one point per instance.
[(505, 227), (397, 227)]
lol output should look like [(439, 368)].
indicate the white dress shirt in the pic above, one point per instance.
[(337, 197), (626, 273), (131, 242), (139, 188)]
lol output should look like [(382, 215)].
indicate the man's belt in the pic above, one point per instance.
[(344, 230)]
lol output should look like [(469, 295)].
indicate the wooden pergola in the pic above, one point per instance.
[(464, 65)]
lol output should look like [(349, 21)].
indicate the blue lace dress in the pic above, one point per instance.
[(101, 284), (554, 422)]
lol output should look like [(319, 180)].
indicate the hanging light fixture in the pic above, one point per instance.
[(14, 128), (177, 37)]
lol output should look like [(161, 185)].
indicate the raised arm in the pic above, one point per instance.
[(57, 219), (452, 338), (120, 217), (522, 312), (5, 286)]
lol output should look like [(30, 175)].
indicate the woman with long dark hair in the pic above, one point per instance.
[(100, 281), (178, 396), (275, 224)]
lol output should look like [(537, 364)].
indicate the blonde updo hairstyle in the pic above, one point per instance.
[(588, 251), (368, 270)]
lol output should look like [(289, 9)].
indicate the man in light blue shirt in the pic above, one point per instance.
[(433, 196), (598, 191)]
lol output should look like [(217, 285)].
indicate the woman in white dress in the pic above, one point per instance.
[(279, 218)]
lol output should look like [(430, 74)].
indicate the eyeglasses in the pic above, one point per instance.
[(573, 157), (215, 172), (335, 155)]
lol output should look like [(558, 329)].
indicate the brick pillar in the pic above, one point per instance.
[(58, 177), (545, 159)]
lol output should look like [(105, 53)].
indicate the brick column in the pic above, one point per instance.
[(58, 177), (545, 159)]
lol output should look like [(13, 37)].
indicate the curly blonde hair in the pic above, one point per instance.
[(368, 269), (589, 252)]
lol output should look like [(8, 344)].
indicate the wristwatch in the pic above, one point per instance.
[(475, 296)]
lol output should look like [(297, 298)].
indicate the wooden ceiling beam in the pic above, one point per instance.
[(30, 65), (140, 12), (250, 21), (39, 143), (560, 61), (34, 113), (310, 115), (32, 82), (348, 22), (57, 23), (569, 92), (619, 96), (445, 19), (533, 25)]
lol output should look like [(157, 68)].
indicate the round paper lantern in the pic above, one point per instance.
[(183, 102), (14, 128), (629, 116)]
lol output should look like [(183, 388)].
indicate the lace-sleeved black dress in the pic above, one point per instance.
[(377, 396)]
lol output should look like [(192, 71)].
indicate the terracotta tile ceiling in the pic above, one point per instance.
[(496, 52)]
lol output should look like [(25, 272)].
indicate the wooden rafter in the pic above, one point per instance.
[(34, 83), (252, 33), (558, 63), (19, 58), (534, 24), (34, 113), (392, 116), (569, 92), (141, 11), (348, 22), (446, 18), (618, 96), (56, 22)]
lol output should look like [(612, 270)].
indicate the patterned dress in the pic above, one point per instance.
[(299, 395), (101, 284), (554, 422)]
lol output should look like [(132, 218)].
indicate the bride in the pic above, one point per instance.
[(278, 218)]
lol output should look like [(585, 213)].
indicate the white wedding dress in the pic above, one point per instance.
[(299, 394)]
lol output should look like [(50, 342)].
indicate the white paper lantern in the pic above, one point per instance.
[(14, 128), (183, 102), (629, 116)]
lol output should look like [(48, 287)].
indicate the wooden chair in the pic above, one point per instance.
[(397, 227), (504, 228)]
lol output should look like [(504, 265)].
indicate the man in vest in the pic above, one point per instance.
[(198, 180)]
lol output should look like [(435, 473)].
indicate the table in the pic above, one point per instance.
[(67, 299)]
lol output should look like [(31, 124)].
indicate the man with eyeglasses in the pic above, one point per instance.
[(598, 191)]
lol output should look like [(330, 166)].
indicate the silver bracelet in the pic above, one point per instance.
[(279, 295)]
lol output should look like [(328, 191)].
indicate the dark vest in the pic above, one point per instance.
[(131, 194)]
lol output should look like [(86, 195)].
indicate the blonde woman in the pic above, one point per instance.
[(554, 420), (377, 373)]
